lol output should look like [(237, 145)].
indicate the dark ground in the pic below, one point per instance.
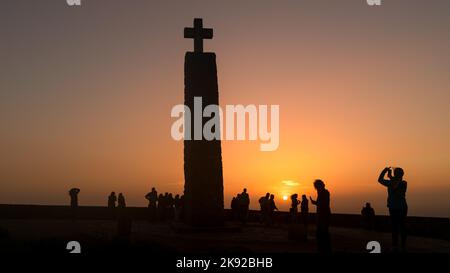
[(21, 235)]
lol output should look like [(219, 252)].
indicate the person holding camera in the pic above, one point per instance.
[(396, 202)]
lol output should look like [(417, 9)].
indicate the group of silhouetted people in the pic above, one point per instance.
[(240, 206), (304, 209), (166, 207), (161, 207), (267, 207), (112, 199)]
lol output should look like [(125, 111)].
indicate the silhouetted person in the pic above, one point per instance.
[(161, 207), (152, 198), (177, 207), (112, 198), (234, 208), (264, 207), (396, 202), (121, 201), (368, 216), (244, 204), (74, 197), (304, 210), (294, 208), (166, 205), (170, 207), (238, 206), (182, 207), (271, 207), (323, 217), (73, 193)]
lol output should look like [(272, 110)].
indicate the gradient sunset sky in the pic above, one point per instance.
[(86, 94)]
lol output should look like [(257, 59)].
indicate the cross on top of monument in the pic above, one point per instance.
[(198, 33)]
